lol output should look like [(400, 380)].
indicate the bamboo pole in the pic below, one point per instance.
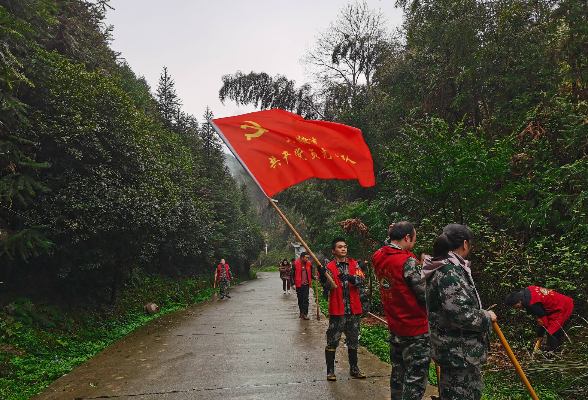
[(307, 249), (514, 361), (316, 295), (438, 371), (378, 318), (230, 146)]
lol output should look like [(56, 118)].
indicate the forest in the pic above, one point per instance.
[(107, 189), (475, 112)]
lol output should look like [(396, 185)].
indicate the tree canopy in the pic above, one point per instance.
[(100, 176)]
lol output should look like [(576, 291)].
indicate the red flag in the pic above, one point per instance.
[(281, 149)]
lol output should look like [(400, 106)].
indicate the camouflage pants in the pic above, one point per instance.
[(410, 358), (343, 323), (460, 383), (224, 286)]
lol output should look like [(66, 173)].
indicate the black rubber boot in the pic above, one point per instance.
[(330, 357), (353, 368)]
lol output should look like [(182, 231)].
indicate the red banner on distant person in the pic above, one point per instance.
[(281, 149)]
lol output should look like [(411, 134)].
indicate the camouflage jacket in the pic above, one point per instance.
[(458, 326)]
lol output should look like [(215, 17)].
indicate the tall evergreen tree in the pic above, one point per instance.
[(168, 102)]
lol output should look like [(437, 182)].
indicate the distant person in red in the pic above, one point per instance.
[(302, 278), (551, 310), (224, 277)]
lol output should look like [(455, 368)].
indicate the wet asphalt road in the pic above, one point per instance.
[(252, 346)]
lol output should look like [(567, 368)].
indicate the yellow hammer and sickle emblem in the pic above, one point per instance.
[(254, 125)]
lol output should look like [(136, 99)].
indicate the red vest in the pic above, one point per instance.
[(298, 273), (406, 317), (220, 271), (557, 307), (336, 296)]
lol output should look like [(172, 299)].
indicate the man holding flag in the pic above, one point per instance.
[(344, 306), (280, 149)]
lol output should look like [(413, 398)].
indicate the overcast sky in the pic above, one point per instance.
[(200, 41)]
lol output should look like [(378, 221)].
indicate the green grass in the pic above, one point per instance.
[(41, 342)]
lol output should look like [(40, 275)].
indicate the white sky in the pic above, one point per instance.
[(200, 41)]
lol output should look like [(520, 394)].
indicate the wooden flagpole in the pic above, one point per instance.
[(222, 136), (309, 252)]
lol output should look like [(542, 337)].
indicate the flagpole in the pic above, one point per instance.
[(222, 136), (272, 201)]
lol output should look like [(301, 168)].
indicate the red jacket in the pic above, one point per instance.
[(406, 317), (220, 271), (557, 307), (336, 296), (298, 273)]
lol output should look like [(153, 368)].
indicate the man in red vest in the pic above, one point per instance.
[(551, 310), (302, 279), (224, 277), (404, 302), (344, 307)]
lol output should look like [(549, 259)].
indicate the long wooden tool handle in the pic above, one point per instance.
[(378, 318), (438, 371), (301, 241), (514, 361), (538, 344), (215, 280)]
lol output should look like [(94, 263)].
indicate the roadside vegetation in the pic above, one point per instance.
[(475, 113), (44, 339)]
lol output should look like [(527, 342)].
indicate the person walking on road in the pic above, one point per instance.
[(458, 326), (224, 277), (285, 269), (302, 279), (551, 310), (344, 307), (405, 307)]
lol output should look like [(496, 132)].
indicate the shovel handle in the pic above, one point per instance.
[(514, 361), (539, 340)]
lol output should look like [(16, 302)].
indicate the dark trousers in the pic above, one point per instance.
[(554, 341), (302, 294), (286, 284)]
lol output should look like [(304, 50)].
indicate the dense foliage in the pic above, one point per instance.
[(44, 340), (99, 175), (478, 114)]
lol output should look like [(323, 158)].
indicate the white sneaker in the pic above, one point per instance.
[(284, 292), (288, 292)]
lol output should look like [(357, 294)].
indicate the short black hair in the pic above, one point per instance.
[(304, 253), (337, 240), (400, 229), (513, 298)]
